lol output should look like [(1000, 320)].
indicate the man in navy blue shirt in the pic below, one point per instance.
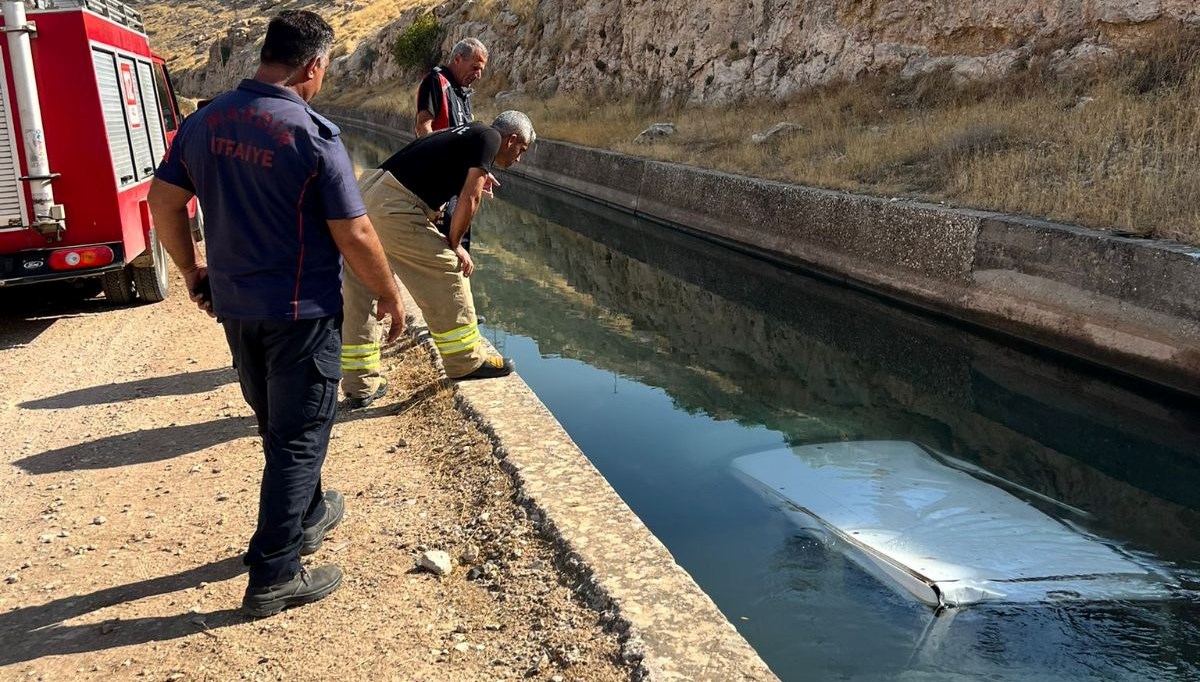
[(281, 210)]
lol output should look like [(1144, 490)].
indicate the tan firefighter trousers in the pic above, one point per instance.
[(420, 255)]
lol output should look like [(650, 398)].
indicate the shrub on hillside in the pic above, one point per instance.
[(419, 45)]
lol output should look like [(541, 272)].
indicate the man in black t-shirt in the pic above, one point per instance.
[(405, 197), (435, 167)]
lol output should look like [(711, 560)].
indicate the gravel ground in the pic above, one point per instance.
[(131, 488)]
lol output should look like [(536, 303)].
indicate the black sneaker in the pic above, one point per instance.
[(335, 509), (491, 368), (361, 403), (305, 588)]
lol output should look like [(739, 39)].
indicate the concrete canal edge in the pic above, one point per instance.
[(1130, 305), (669, 628)]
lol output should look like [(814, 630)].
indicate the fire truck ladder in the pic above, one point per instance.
[(111, 9)]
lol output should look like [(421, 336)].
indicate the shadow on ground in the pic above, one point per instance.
[(32, 632), (28, 311), (18, 333), (140, 447), (186, 383), (168, 442)]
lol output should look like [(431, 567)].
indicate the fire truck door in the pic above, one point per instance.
[(111, 98), (150, 112), (12, 192), (135, 119)]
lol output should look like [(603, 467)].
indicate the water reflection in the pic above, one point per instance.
[(737, 339), (730, 338), (666, 358)]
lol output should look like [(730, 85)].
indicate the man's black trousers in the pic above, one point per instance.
[(289, 372)]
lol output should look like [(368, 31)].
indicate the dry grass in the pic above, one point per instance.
[(486, 10), (1116, 148), (365, 20), (395, 97)]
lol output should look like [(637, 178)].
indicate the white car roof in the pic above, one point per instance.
[(944, 535)]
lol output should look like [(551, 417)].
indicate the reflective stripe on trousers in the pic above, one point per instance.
[(457, 340), (360, 357)]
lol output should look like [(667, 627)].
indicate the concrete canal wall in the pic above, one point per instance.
[(1128, 304), (1131, 305)]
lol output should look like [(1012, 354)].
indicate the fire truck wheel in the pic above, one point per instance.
[(153, 282), (118, 286)]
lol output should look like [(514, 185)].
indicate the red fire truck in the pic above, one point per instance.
[(86, 113)]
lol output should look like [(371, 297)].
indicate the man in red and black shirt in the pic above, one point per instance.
[(444, 101), (444, 96)]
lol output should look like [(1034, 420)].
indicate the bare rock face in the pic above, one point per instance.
[(508, 96), (234, 56), (1083, 56), (231, 58), (721, 50), (1127, 11)]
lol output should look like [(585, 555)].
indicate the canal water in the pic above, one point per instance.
[(667, 357)]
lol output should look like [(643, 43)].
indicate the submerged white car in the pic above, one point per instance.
[(945, 531)]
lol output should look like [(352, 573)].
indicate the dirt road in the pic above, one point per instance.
[(129, 489)]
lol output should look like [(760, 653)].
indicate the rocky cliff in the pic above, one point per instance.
[(716, 51), (721, 50), (212, 44)]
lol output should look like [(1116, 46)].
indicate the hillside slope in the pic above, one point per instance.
[(682, 50), (210, 45)]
